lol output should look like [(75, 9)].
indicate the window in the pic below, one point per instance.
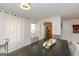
[(33, 28)]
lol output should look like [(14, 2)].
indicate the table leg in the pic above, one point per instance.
[(7, 47)]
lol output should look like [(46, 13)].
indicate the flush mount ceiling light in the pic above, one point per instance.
[(25, 6)]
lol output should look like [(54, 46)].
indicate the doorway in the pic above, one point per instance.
[(48, 30)]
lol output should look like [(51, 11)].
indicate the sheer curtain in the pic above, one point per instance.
[(16, 29)]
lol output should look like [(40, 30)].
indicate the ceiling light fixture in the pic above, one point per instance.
[(25, 6)]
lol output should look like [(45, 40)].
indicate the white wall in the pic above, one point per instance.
[(67, 30), (56, 21), (17, 29)]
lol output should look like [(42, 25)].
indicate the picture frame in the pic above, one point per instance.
[(76, 28)]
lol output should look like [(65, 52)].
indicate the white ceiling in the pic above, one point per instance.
[(43, 10)]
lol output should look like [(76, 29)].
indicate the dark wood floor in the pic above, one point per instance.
[(36, 49)]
